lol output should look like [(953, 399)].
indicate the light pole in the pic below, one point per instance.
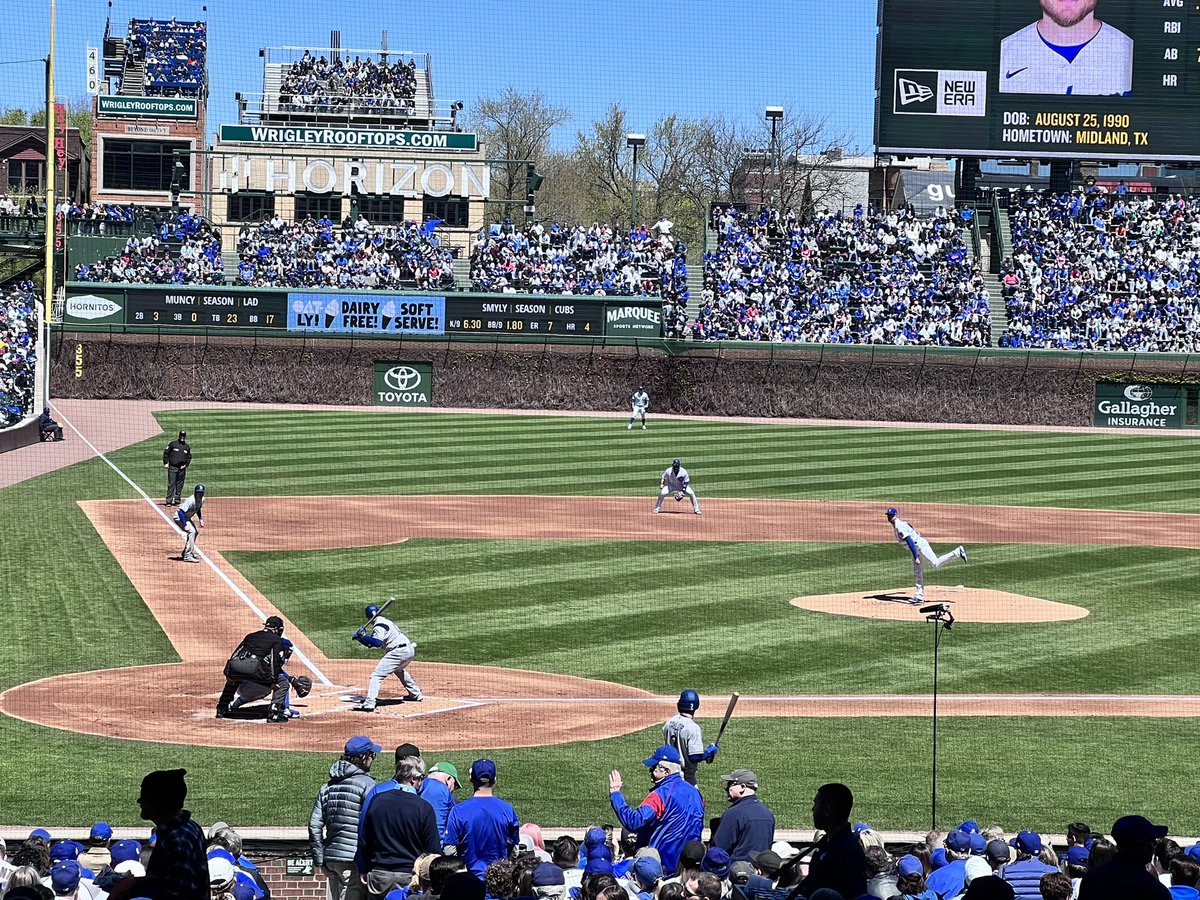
[(634, 141), (774, 115)]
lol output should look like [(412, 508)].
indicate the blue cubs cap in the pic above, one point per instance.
[(937, 858), (891, 511), (483, 771), (716, 862), (646, 870), (599, 862), (1077, 855), (124, 851), (675, 462), (547, 874), (101, 831), (64, 850), (970, 826), (958, 841), (910, 865), (1193, 852), (978, 843), (1029, 842), (357, 746), (860, 827), (40, 833), (594, 835), (664, 753), (65, 875)]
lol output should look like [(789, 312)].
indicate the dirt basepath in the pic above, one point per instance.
[(481, 706)]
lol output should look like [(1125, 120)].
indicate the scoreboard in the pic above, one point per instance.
[(1078, 79), (204, 307), (558, 315)]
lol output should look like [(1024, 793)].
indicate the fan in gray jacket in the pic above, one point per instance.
[(333, 825)]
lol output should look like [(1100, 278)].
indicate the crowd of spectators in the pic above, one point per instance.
[(320, 253), (859, 278), (319, 85), (27, 206), (173, 52), (18, 352), (599, 260), (185, 250), (1098, 271), (409, 837)]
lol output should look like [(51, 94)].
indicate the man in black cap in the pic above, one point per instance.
[(177, 868), (1126, 875), (176, 458), (258, 663)]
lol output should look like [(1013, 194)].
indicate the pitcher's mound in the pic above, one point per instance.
[(968, 605)]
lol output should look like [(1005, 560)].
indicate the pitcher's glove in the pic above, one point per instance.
[(301, 684)]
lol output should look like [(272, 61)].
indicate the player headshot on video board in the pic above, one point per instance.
[(1069, 50)]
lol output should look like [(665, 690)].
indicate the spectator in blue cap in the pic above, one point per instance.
[(65, 878), (910, 880), (647, 873), (950, 879), (1126, 874), (96, 854), (333, 823), (1025, 875), (672, 813), (483, 828), (548, 881), (716, 862)]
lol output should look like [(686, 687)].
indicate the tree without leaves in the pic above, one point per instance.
[(513, 125)]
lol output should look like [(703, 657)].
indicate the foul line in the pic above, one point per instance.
[(296, 651)]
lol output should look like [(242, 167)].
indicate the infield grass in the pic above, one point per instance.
[(657, 616)]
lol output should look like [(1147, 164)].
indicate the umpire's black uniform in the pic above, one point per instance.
[(176, 458), (259, 660)]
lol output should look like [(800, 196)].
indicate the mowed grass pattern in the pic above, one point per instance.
[(657, 616)]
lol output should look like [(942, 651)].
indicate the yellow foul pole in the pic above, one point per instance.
[(51, 161)]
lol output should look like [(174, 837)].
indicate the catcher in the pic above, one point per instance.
[(255, 669), (675, 480)]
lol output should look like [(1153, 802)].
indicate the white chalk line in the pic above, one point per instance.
[(262, 616), (852, 698)]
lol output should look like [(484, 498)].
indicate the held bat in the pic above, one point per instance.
[(371, 621), (733, 700)]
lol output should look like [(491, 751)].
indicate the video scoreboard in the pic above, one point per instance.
[(1078, 79)]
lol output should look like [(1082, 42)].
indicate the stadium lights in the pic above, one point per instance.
[(774, 115), (634, 141)]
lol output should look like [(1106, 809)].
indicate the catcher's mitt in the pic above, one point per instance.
[(301, 684), (679, 495)]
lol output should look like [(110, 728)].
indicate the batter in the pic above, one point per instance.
[(398, 653)]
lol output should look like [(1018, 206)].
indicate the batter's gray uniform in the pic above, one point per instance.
[(640, 402), (675, 479), (682, 733), (398, 652)]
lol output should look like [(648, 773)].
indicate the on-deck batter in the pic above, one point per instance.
[(919, 547)]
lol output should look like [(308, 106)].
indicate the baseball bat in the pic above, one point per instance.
[(733, 700), (386, 603)]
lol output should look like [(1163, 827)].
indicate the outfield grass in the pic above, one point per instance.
[(713, 616)]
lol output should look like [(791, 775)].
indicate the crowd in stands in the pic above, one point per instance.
[(173, 52), (859, 278), (20, 206), (1099, 271), (319, 253), (599, 260), (409, 837), (18, 352), (319, 85), (185, 250)]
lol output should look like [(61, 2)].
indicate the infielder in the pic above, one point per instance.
[(675, 480), (189, 509), (683, 733), (398, 653), (1067, 51), (640, 401), (919, 547)]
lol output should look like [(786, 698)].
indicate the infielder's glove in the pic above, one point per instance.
[(679, 495), (301, 684)]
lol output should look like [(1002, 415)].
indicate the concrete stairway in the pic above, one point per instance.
[(999, 317), (133, 82)]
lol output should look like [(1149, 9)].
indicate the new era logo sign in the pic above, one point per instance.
[(912, 92), (940, 92)]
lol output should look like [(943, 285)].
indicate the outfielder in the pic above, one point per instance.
[(675, 479), (919, 547), (1067, 51), (640, 401), (191, 508), (398, 653)]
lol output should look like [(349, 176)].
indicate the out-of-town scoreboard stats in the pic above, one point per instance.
[(946, 87), (558, 315)]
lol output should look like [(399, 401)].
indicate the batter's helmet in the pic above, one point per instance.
[(891, 511), (689, 701), (371, 611), (199, 489)]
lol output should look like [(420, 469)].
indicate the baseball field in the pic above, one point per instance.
[(557, 617)]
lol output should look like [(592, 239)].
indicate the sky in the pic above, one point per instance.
[(653, 57)]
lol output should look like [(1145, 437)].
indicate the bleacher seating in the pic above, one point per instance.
[(18, 352), (356, 254), (186, 250), (173, 52), (320, 85), (857, 278), (1097, 271), (597, 260)]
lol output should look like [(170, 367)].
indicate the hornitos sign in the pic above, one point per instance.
[(92, 309), (349, 137), (146, 107), (1139, 405), (288, 175), (403, 384)]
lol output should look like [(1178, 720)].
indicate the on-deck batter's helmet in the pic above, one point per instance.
[(891, 511), (199, 489), (371, 611), (689, 701)]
